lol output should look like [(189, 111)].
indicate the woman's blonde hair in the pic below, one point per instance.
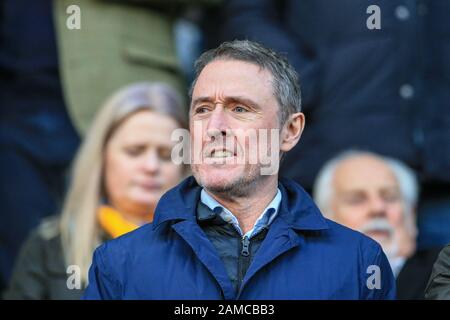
[(80, 231)]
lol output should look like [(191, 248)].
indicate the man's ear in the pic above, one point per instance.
[(292, 131)]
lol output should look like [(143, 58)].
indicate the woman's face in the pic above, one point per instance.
[(138, 166)]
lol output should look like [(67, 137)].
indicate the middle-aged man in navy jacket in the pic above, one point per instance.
[(235, 230)]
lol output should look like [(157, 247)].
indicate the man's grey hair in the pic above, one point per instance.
[(323, 186), (286, 85)]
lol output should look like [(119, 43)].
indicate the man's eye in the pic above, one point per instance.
[(201, 110), (354, 200), (240, 109), (391, 197)]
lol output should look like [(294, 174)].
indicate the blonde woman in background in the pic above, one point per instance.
[(122, 169)]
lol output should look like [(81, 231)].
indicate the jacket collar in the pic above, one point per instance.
[(297, 208), (179, 203)]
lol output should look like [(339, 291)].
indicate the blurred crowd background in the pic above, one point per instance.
[(86, 117)]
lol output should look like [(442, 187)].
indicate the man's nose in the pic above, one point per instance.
[(217, 124), (377, 207)]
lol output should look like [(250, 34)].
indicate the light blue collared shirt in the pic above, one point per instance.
[(264, 220)]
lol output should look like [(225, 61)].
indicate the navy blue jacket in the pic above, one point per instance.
[(304, 256), (384, 90)]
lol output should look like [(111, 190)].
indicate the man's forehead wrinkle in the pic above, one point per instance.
[(360, 187), (219, 95)]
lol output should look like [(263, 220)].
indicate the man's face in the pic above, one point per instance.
[(231, 101), (367, 198)]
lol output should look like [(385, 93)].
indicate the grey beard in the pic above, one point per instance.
[(236, 189)]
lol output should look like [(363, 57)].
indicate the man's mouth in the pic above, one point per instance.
[(379, 234), (221, 154), (378, 228)]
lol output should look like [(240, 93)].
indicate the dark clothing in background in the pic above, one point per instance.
[(40, 269), (33, 114), (37, 139), (387, 90), (413, 277), (438, 287)]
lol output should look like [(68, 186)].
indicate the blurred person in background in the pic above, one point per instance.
[(378, 196), (438, 287), (53, 78), (385, 90), (122, 169)]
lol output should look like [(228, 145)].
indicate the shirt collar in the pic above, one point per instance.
[(263, 221), (297, 209)]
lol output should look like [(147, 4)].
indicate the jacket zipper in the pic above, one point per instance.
[(245, 246), (245, 257)]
